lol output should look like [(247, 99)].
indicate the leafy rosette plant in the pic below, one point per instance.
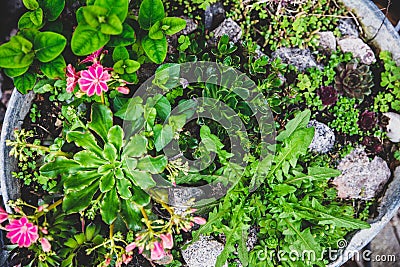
[(109, 173)]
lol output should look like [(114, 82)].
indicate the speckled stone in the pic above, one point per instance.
[(300, 58), (327, 41), (203, 253), (324, 137), (191, 26), (252, 239), (230, 28), (358, 48), (360, 178), (347, 27)]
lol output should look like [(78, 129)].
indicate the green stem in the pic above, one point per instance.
[(102, 98), (46, 149)]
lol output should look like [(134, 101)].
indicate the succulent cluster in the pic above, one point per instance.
[(354, 80)]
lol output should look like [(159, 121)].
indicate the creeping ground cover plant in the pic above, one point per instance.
[(154, 131)]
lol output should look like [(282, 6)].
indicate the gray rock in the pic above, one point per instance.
[(360, 178), (214, 15), (300, 58), (327, 41), (183, 197), (347, 27), (252, 238), (203, 253), (358, 48), (191, 26), (229, 27), (393, 128), (324, 138)]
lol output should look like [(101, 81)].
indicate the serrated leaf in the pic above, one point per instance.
[(136, 147), (60, 165), (107, 182), (123, 186), (163, 135), (101, 120), (85, 140), (80, 180), (152, 164), (115, 137), (110, 206), (141, 178), (76, 201), (131, 215), (300, 121)]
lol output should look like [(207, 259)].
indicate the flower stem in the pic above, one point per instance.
[(102, 98), (46, 149)]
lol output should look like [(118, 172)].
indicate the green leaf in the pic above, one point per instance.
[(140, 196), (112, 25), (314, 174), (109, 152), (55, 68), (116, 7), (15, 72), (150, 12), (283, 189), (25, 82), (163, 135), (155, 31), (126, 66), (25, 22), (107, 182), (123, 186), (76, 201), (300, 121), (60, 166), (52, 8), (156, 50), (152, 165), (127, 37), (110, 206), (136, 147), (87, 40), (174, 25), (101, 120), (132, 110), (37, 17), (87, 158), (131, 214), (30, 4), (94, 14), (142, 179), (85, 140), (17, 53), (80, 180), (120, 53), (48, 46), (163, 108), (115, 137)]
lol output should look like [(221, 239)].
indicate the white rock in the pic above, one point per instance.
[(393, 128), (327, 41), (203, 253), (358, 48), (302, 59), (229, 27), (324, 137), (360, 178), (347, 27)]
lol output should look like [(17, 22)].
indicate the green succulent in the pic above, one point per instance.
[(354, 80)]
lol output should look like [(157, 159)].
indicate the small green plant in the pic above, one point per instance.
[(346, 116), (390, 80), (35, 113)]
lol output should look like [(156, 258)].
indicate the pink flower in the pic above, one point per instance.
[(72, 78), (130, 247), (93, 57), (199, 220), (126, 259), (3, 215), (157, 252), (94, 80), (167, 240), (123, 90), (46, 246), (107, 262), (44, 231), (22, 232)]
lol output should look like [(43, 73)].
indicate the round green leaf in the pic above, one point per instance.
[(25, 82), (93, 15), (15, 71), (174, 25), (156, 50), (131, 66), (30, 4), (52, 8), (87, 40), (25, 22), (127, 37), (37, 17), (155, 31), (116, 7), (112, 25), (150, 12), (55, 68), (120, 53), (48, 45)]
